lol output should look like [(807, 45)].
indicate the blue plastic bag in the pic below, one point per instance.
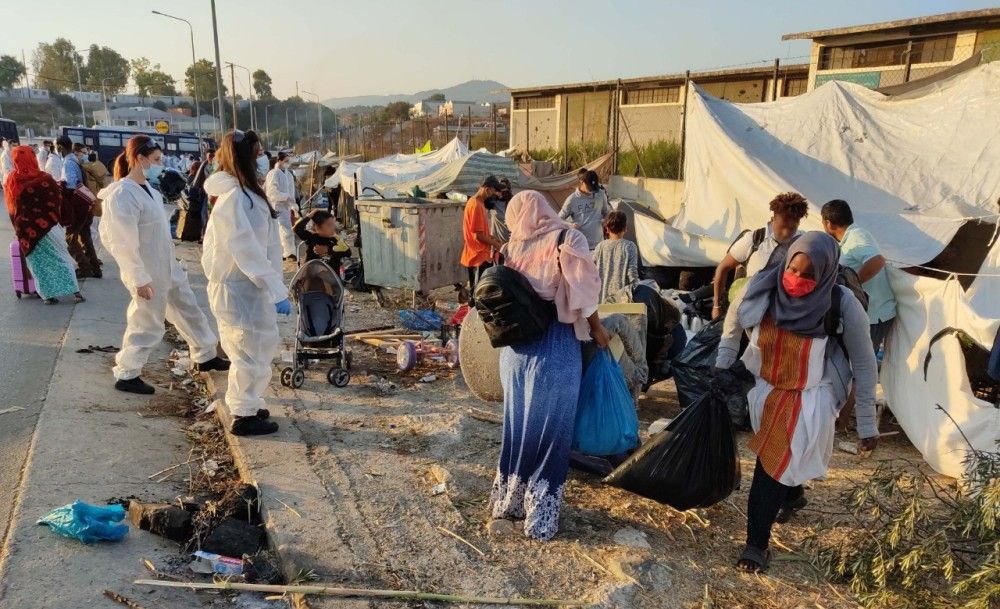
[(87, 523), (424, 320), (606, 421)]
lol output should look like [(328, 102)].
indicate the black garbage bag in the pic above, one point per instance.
[(692, 371), (692, 463)]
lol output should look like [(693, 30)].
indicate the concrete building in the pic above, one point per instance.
[(651, 108), (880, 55), (149, 100), (26, 93), (87, 97), (463, 108), (426, 107), (147, 118)]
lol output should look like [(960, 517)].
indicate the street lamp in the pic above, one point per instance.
[(104, 95), (194, 76), (319, 111), (79, 88), (250, 89), (218, 72)]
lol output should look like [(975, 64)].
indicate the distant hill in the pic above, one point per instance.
[(473, 90)]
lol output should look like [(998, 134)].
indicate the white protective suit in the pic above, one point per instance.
[(42, 154), (53, 166), (6, 162), (242, 260), (280, 189), (135, 230)]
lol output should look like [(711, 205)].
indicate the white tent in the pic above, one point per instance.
[(915, 168), (396, 167)]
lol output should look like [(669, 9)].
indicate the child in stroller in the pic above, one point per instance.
[(318, 295)]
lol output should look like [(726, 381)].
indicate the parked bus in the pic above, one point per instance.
[(109, 142), (8, 131)]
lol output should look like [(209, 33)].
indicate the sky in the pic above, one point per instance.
[(335, 48)]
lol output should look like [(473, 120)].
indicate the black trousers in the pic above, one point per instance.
[(767, 497), (475, 272)]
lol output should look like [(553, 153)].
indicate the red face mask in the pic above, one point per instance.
[(796, 286)]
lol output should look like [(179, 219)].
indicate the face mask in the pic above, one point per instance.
[(263, 164), (796, 286), (152, 172)]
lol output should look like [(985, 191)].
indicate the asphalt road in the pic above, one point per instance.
[(31, 335)]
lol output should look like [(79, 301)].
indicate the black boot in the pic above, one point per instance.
[(216, 363), (136, 385), (252, 426)]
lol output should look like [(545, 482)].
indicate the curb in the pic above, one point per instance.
[(300, 520)]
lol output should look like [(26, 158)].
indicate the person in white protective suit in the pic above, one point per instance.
[(54, 164), (6, 162), (135, 230), (280, 189), (246, 290)]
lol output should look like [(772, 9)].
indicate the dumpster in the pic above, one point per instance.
[(410, 243)]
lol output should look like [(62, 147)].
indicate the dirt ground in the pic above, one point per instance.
[(381, 451)]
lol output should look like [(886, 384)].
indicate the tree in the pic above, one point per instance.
[(397, 111), (55, 65), (436, 97), (106, 67), (205, 70), (11, 70), (150, 79), (262, 85)]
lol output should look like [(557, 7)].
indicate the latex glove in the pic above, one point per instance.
[(284, 307)]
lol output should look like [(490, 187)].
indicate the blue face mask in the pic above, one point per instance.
[(263, 165), (152, 172)]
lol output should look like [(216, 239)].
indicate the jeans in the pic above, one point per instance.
[(879, 331), (475, 272)]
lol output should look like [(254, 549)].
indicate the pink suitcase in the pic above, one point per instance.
[(24, 283)]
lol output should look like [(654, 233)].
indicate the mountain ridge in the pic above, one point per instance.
[(471, 90)]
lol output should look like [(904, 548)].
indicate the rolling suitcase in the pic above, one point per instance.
[(24, 284)]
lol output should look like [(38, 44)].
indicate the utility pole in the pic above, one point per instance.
[(232, 79), (288, 133), (104, 95), (253, 123), (218, 74), (79, 83)]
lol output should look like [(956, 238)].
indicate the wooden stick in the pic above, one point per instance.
[(173, 467), (370, 330), (462, 539), (118, 598), (485, 415), (410, 595)]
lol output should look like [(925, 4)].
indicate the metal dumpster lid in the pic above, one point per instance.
[(411, 203)]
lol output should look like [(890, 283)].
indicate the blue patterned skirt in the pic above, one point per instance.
[(51, 266), (541, 384)]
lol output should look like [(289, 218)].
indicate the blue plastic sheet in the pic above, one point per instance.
[(421, 321), (606, 421), (87, 523)]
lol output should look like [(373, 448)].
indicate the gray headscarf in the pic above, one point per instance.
[(765, 292)]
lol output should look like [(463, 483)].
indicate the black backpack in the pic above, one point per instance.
[(833, 322), (513, 313)]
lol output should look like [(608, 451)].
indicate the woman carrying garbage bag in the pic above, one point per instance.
[(802, 378), (135, 230), (242, 260), (541, 380)]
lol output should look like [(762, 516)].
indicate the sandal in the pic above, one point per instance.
[(754, 560), (78, 298), (789, 509)]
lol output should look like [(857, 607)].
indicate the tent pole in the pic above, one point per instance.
[(909, 61), (774, 80), (684, 119), (566, 166)]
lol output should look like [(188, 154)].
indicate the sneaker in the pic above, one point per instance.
[(252, 426), (136, 385), (216, 363)]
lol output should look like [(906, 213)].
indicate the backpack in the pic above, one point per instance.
[(758, 239), (833, 322), (512, 312)]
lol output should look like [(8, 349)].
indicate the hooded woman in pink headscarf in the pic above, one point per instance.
[(541, 380)]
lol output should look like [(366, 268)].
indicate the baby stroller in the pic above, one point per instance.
[(319, 297)]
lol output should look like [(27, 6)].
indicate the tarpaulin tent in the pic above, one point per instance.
[(915, 169), (462, 175), (396, 167)]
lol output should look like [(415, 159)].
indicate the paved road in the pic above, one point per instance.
[(30, 336)]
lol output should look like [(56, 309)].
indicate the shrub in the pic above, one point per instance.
[(914, 542), (660, 159)]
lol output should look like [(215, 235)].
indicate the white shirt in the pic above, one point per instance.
[(54, 166), (742, 248)]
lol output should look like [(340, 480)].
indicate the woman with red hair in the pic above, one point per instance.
[(33, 202)]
